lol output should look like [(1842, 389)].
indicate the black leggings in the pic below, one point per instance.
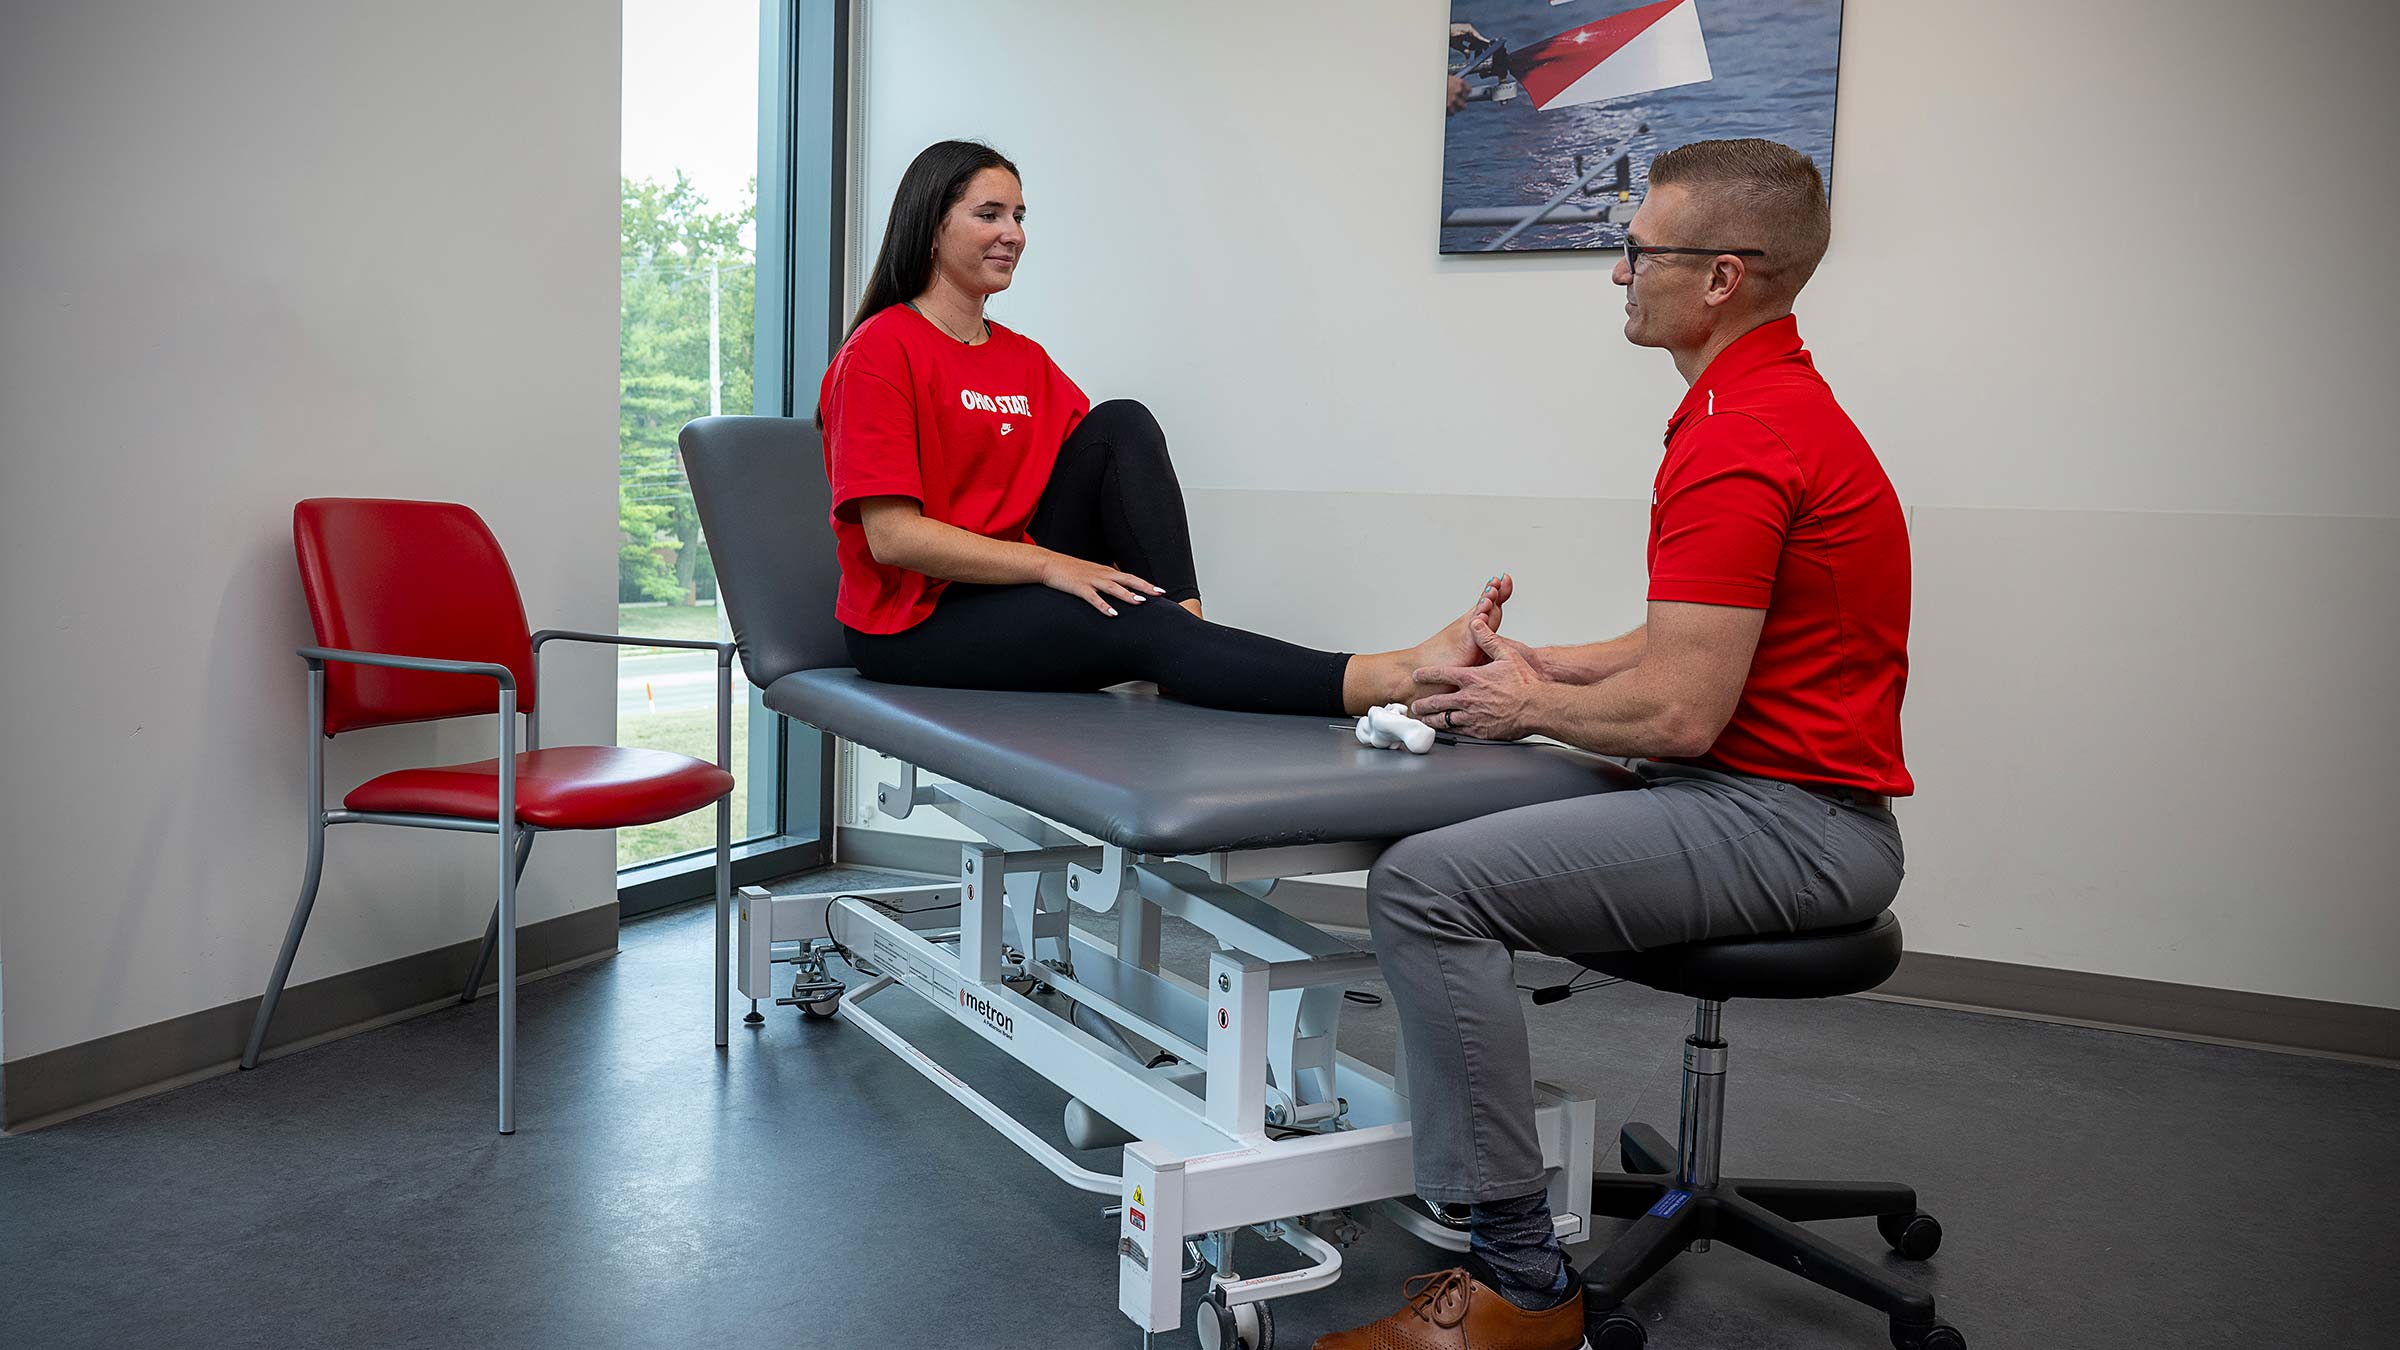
[(1112, 499)]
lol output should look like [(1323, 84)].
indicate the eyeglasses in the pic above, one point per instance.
[(1634, 253)]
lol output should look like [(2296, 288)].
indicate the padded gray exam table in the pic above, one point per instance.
[(1251, 1119)]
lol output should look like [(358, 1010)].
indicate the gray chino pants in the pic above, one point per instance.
[(1700, 854)]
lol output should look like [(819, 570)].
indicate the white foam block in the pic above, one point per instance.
[(1393, 720)]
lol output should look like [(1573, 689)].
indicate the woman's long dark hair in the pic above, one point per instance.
[(935, 181)]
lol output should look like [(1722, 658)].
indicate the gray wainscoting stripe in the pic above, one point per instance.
[(2111, 1002)]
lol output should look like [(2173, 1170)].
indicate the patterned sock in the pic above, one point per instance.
[(1515, 1241)]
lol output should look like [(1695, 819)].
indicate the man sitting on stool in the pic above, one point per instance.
[(1761, 699)]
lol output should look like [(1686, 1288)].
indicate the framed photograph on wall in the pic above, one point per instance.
[(1557, 107)]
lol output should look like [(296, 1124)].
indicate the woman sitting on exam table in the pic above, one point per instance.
[(997, 531)]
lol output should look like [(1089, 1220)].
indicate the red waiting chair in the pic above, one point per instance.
[(418, 618)]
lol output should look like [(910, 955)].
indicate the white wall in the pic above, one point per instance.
[(2149, 451), (253, 252)]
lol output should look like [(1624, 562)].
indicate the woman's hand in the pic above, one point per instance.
[(1095, 583)]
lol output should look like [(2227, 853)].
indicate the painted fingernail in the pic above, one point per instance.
[(1112, 613)]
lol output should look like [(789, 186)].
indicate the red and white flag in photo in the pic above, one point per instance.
[(1656, 46)]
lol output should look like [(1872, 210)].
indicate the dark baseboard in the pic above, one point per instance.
[(59, 1084), (893, 852), (656, 886), (2149, 1007)]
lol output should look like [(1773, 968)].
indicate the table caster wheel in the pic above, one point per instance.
[(1248, 1327), (1915, 1236), (1618, 1328), (821, 1009)]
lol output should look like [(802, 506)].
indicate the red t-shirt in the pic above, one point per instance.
[(1769, 498), (970, 432)]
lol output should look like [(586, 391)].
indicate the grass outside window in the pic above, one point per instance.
[(686, 731)]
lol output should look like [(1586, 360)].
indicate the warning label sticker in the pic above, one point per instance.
[(894, 960), (1669, 1203)]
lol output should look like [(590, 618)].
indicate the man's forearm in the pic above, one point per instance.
[(1592, 662), (1624, 715)]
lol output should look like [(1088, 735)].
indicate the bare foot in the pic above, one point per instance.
[(1455, 645), (1371, 680)]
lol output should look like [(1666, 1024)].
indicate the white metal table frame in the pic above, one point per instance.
[(1260, 1034)]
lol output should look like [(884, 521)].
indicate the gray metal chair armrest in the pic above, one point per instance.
[(724, 650), (318, 656), (506, 709)]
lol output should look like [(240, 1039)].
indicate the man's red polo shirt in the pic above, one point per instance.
[(1769, 498)]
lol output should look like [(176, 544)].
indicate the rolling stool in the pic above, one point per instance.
[(1674, 1194)]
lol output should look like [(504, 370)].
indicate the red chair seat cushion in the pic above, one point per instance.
[(574, 787)]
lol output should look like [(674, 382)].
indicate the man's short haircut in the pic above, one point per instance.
[(1756, 194)]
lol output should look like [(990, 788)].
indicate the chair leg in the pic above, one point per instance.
[(1643, 1149), (1806, 1201), (1780, 1242), (1642, 1251), (1622, 1197), (291, 941), (724, 914), (491, 931), (508, 981), (509, 832)]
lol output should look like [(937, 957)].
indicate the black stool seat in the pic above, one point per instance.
[(1822, 963)]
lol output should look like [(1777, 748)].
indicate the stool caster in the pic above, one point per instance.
[(1619, 1328), (1927, 1336), (1248, 1327), (1915, 1236), (823, 1008)]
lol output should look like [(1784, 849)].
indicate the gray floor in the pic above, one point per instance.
[(808, 1190)]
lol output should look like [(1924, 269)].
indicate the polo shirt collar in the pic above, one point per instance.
[(1775, 340)]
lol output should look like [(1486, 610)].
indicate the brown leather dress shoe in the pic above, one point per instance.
[(1452, 1310)]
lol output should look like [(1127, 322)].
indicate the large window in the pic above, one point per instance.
[(725, 309), (688, 331)]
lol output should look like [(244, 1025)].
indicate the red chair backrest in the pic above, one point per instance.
[(409, 579)]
